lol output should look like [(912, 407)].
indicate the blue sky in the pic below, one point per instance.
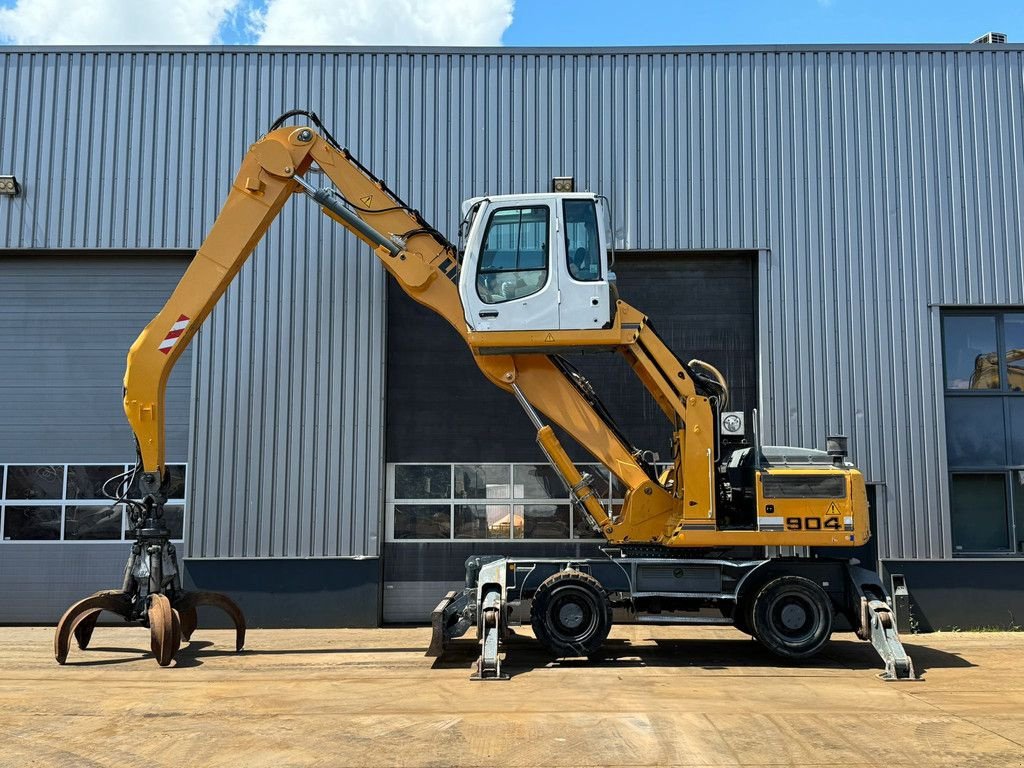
[(508, 22), (689, 22)]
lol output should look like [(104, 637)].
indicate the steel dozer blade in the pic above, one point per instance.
[(80, 619), (187, 604)]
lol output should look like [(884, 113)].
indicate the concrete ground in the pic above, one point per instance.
[(667, 697)]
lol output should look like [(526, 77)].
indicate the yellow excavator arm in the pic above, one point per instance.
[(676, 508)]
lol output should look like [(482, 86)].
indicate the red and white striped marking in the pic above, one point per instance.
[(174, 334)]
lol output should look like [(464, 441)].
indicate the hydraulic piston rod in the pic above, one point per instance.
[(332, 204)]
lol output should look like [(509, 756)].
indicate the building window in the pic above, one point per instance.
[(978, 508), (488, 502), (984, 351), (983, 358), (65, 502)]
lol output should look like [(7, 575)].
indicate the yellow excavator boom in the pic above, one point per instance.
[(679, 512)]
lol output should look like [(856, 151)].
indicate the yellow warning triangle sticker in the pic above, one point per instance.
[(366, 200), (549, 337), (832, 509)]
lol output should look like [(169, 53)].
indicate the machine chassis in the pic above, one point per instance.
[(500, 591)]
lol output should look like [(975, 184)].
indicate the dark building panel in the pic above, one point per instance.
[(440, 407), (291, 592), (964, 594)]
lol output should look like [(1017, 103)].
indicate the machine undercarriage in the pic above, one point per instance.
[(790, 605)]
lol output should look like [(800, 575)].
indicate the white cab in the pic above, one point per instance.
[(536, 262)]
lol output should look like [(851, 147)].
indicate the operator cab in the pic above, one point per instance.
[(537, 262)]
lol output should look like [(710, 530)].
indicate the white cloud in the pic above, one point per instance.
[(382, 22), (114, 22)]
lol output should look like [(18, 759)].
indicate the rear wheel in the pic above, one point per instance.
[(792, 617), (571, 615), (741, 618)]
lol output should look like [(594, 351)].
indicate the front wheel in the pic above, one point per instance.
[(792, 617), (571, 615)]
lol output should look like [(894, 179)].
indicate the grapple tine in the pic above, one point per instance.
[(175, 630), (189, 621), (114, 601), (84, 626), (192, 600), (164, 629)]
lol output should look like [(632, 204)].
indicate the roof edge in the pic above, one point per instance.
[(523, 51)]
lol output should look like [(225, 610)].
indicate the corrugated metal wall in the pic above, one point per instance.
[(879, 183)]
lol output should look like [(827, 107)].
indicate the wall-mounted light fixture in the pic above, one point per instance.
[(9, 186), (562, 184)]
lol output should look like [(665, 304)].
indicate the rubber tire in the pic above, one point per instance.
[(741, 616), (586, 592), (765, 617)]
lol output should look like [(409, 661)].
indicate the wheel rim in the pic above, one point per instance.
[(572, 615), (794, 617)]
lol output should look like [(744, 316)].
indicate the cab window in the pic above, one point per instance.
[(582, 246), (514, 254)]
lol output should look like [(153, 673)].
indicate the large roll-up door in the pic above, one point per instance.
[(465, 475), (66, 323)]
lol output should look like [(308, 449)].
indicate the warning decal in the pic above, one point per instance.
[(174, 334)]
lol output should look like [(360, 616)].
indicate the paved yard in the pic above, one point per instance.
[(668, 697)]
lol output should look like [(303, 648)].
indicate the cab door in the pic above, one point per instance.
[(583, 276), (512, 285)]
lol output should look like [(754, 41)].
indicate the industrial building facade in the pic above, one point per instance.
[(839, 228)]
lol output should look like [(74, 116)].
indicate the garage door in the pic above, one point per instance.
[(66, 323), (449, 430), (65, 326)]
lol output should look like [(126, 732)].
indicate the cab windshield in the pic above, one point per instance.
[(514, 254)]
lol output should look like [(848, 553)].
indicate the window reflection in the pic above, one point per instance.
[(423, 481), (86, 481), (494, 502), (537, 481), (481, 481), (35, 481), (972, 361), (542, 521), (422, 521), (91, 522), (483, 521), (32, 523)]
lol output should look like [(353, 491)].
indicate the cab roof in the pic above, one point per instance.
[(525, 198)]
